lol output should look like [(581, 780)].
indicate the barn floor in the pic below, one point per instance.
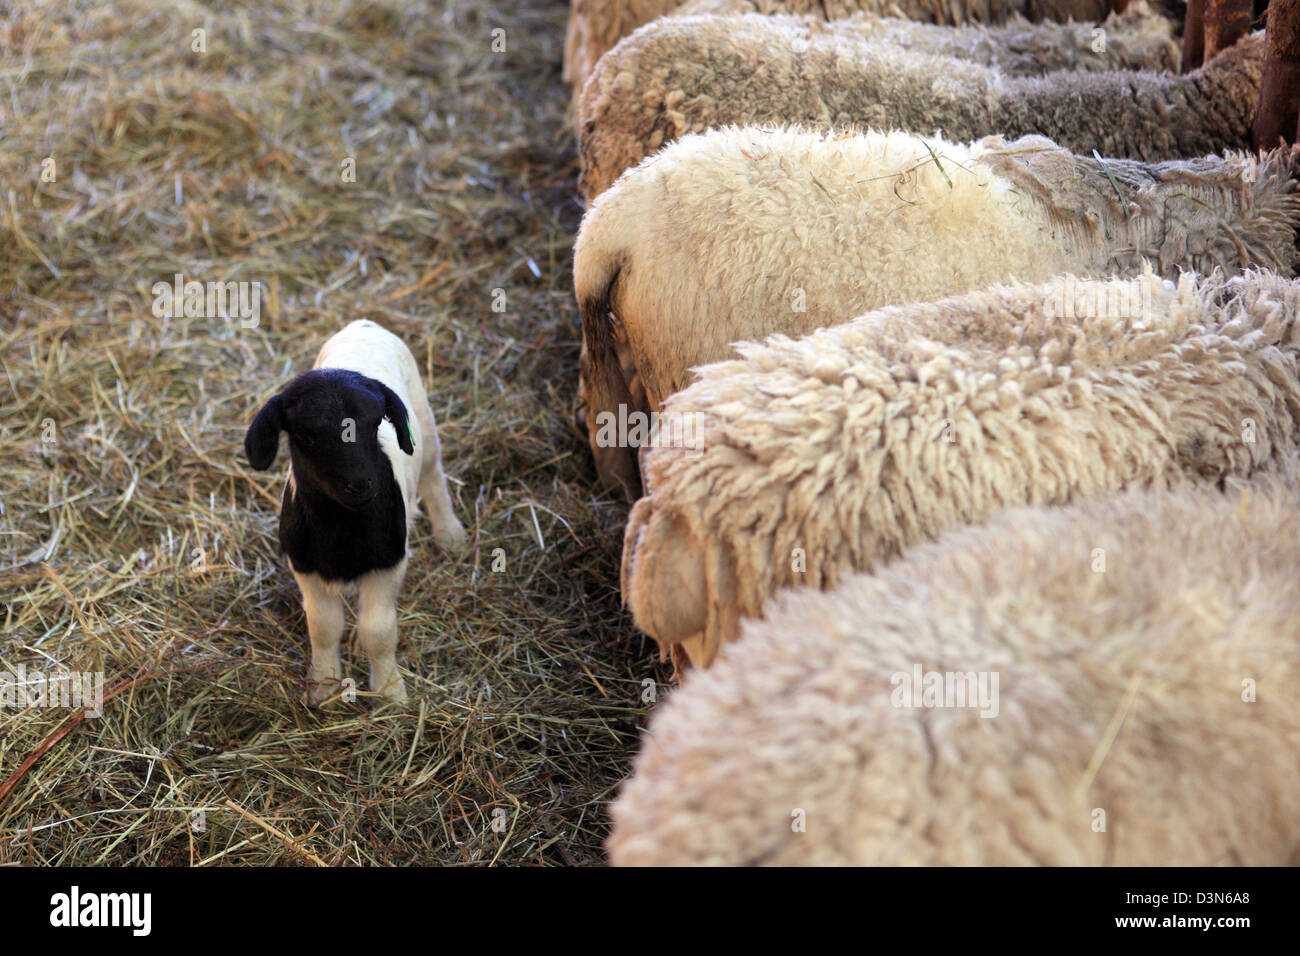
[(135, 540)]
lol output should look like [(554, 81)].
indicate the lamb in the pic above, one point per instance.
[(680, 76), (810, 459), (740, 233), (596, 25), (362, 441), (1125, 663)]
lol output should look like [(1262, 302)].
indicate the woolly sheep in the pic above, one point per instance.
[(814, 458), (729, 235), (1140, 653), (596, 25), (362, 442), (680, 76)]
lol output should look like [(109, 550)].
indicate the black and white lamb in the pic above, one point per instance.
[(362, 444)]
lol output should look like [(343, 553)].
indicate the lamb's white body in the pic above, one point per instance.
[(371, 350)]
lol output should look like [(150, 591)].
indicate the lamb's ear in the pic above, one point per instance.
[(263, 436), (395, 412)]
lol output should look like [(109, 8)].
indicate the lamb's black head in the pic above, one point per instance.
[(332, 418)]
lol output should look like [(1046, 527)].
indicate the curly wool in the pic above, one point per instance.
[(819, 457), (737, 234), (596, 25), (1120, 690), (678, 76)]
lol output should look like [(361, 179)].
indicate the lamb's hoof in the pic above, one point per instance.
[(319, 692), (451, 538), (395, 690)]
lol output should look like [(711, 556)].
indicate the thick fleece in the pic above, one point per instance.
[(596, 25), (823, 456), (679, 76), (737, 234), (1147, 653)]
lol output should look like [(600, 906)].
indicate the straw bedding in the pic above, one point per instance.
[(137, 542)]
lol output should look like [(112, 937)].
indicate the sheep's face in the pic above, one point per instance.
[(332, 418)]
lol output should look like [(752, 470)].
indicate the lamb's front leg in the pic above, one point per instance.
[(377, 629), (324, 610)]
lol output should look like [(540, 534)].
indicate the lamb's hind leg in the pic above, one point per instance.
[(324, 610), (377, 629), (447, 530)]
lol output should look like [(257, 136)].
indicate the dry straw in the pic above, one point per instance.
[(138, 543)]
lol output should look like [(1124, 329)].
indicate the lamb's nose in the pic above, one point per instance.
[(359, 489)]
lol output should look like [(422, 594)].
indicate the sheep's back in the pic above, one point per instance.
[(797, 231), (1127, 634), (818, 457)]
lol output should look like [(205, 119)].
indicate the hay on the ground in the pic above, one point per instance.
[(134, 539)]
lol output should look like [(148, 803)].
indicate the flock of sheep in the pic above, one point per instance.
[(989, 337)]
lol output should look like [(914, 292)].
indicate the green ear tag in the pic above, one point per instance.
[(410, 435)]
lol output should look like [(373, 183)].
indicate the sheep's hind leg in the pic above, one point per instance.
[(324, 610), (377, 629), (447, 530)]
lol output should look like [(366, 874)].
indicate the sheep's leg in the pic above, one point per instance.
[(377, 629), (447, 530), (324, 610)]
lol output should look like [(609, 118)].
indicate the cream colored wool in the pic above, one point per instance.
[(1199, 595), (596, 25), (727, 235), (831, 454), (680, 76)]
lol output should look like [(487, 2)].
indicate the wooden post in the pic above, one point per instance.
[(1226, 22), (1279, 91), (1194, 35)]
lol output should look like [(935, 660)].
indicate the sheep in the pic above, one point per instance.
[(596, 25), (739, 233), (809, 459), (362, 442), (1124, 664), (679, 76)]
